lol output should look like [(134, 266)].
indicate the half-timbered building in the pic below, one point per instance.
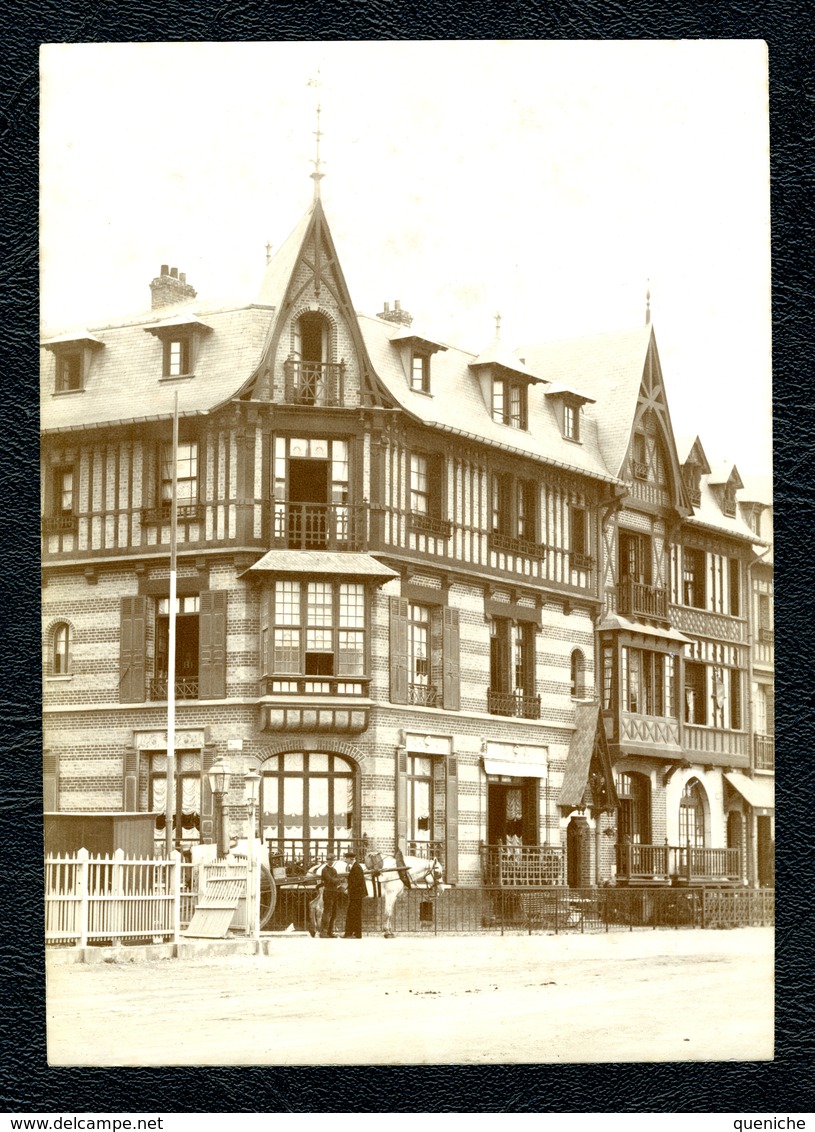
[(480, 605)]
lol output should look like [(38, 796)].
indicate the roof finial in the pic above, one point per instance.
[(268, 253), (317, 176), (648, 304), (497, 325)]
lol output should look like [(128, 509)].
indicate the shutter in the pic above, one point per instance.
[(130, 780), (770, 697), (207, 825), (132, 658), (452, 684), (451, 820), (50, 782), (212, 645), (399, 650), (400, 797), (437, 654), (505, 504), (436, 485)]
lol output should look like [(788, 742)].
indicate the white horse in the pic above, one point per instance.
[(384, 876)]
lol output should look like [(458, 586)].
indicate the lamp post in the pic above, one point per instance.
[(218, 776), (251, 781)]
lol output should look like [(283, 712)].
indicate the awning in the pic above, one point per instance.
[(322, 563), (515, 770), (616, 621), (758, 792)]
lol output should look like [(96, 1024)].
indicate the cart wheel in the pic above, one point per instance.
[(268, 896)]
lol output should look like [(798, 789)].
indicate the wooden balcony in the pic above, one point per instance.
[(319, 526), (638, 599), (431, 524), (187, 513), (511, 544), (716, 745), (667, 864), (314, 383), (764, 752), (522, 865), (515, 704), (55, 524)]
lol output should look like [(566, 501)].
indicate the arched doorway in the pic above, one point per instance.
[(692, 815)]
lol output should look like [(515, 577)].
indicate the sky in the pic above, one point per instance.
[(553, 182)]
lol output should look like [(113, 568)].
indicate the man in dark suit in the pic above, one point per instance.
[(357, 891), (330, 880)]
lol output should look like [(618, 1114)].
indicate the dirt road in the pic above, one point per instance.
[(645, 996)]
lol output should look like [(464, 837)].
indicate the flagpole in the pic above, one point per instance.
[(171, 783)]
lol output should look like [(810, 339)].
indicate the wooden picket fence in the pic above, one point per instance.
[(113, 900)]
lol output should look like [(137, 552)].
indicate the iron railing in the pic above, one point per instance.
[(299, 854), (764, 752), (522, 864), (428, 850), (516, 911), (516, 704), (424, 695), (184, 689), (319, 526), (314, 383), (639, 599)]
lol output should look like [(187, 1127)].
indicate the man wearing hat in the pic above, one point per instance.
[(330, 880), (357, 891)]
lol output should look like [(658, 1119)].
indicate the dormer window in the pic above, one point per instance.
[(571, 422), (568, 404), (509, 402), (725, 481), (420, 373), (73, 358), (180, 339)]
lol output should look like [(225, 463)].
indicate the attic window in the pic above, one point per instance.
[(729, 500), (571, 422), (180, 338), (72, 354), (69, 372), (509, 402), (177, 356), (420, 372), (692, 473), (567, 404)]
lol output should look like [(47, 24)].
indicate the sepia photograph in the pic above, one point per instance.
[(407, 553)]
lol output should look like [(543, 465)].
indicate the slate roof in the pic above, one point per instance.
[(709, 514), (340, 563), (588, 729), (124, 380), (456, 405), (606, 367)]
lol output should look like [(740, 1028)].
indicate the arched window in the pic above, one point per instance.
[(314, 379), (692, 816), (307, 801), (578, 675), (61, 650)]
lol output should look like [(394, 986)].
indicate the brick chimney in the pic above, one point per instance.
[(395, 315), (169, 287)]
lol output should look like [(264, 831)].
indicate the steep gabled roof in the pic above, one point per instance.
[(690, 448), (456, 406), (588, 759)]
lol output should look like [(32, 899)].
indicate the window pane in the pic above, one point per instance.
[(343, 807), (286, 650), (352, 606), (287, 603), (350, 661), (320, 604)]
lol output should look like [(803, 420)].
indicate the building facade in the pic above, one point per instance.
[(482, 606)]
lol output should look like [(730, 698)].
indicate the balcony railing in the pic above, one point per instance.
[(522, 865), (514, 545), (319, 526), (695, 496), (184, 689), (766, 636), (514, 704), (764, 752), (424, 695), (580, 561), (433, 524), (187, 513), (661, 864), (427, 850), (314, 383), (314, 685), (640, 469), (638, 599), (53, 524)]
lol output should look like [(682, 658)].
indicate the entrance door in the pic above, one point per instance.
[(765, 852), (308, 504), (512, 812)]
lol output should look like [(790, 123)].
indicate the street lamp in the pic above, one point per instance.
[(252, 781), (218, 776)]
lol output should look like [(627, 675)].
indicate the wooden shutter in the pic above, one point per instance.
[(207, 821), (770, 698), (436, 483), (132, 656), (451, 820), (400, 798), (50, 782), (451, 689), (212, 645), (399, 650), (130, 780)]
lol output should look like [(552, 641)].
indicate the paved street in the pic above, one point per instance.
[(642, 996)]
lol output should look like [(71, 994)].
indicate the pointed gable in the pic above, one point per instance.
[(316, 354), (588, 779)]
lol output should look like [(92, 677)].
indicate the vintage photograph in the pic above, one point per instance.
[(407, 553)]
